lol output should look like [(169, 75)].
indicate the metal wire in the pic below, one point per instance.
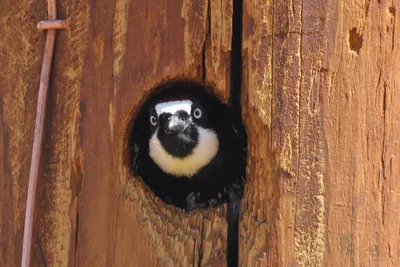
[(52, 24)]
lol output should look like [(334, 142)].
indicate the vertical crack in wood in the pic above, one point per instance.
[(383, 187), (236, 56), (236, 70), (299, 92), (392, 11), (299, 120), (236, 74), (78, 167), (202, 237), (272, 73), (207, 36), (384, 130)]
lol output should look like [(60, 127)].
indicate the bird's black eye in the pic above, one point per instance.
[(153, 120), (197, 113)]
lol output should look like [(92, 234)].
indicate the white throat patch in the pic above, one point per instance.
[(174, 106), (202, 154)]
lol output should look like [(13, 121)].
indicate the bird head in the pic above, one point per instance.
[(182, 137)]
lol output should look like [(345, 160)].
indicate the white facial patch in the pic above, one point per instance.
[(174, 106), (202, 154)]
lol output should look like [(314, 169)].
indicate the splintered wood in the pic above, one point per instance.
[(320, 100), (322, 111)]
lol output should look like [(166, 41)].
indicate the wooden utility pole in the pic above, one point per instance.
[(322, 85), (320, 100)]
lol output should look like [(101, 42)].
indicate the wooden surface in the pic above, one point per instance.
[(321, 82), (320, 102), (90, 213)]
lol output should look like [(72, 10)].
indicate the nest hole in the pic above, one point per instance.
[(137, 146)]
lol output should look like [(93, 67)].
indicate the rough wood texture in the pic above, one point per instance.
[(91, 213), (21, 49), (321, 102)]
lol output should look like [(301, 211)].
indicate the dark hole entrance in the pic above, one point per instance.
[(188, 147), (355, 40)]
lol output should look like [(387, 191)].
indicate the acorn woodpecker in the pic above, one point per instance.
[(191, 150)]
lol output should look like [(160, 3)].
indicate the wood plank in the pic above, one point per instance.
[(320, 104), (271, 71), (93, 212), (363, 121), (21, 50), (329, 187)]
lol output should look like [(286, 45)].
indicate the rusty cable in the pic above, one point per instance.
[(51, 25)]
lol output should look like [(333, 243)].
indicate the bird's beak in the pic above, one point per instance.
[(174, 125)]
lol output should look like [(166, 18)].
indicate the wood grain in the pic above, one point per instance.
[(92, 213), (320, 101), (319, 84), (21, 49)]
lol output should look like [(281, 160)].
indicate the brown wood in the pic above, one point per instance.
[(91, 213), (21, 51), (39, 128), (320, 103)]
